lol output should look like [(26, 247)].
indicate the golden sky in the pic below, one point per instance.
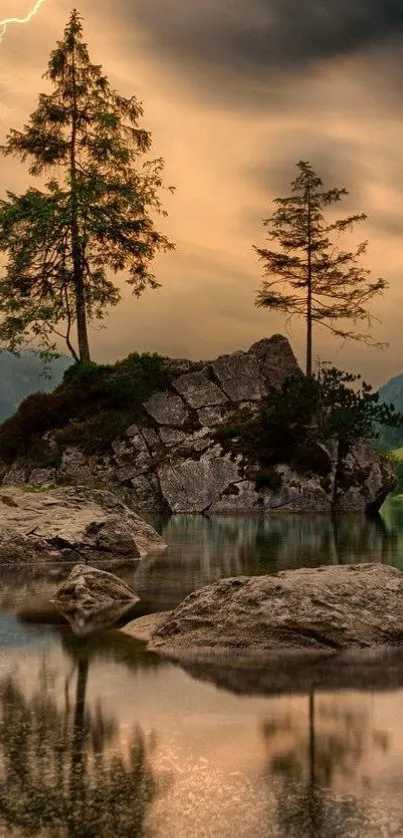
[(235, 94)]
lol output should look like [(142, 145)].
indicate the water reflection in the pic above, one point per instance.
[(331, 746), (316, 766), (204, 549), (259, 752), (62, 772), (78, 758)]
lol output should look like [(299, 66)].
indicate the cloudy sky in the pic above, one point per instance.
[(235, 93)]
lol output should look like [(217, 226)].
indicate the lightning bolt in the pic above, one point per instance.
[(4, 24)]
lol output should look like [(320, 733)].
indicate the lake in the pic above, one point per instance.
[(100, 738)]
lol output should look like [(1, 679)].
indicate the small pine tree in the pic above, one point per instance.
[(324, 285), (61, 242)]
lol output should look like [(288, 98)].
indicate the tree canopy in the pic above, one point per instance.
[(308, 275), (95, 216)]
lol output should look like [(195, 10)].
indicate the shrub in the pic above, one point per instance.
[(317, 408), (37, 414), (96, 433), (308, 410), (268, 478), (99, 400), (237, 423), (133, 380)]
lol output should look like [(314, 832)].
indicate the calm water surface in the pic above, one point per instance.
[(100, 738)]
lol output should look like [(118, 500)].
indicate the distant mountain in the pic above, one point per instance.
[(24, 375), (392, 393)]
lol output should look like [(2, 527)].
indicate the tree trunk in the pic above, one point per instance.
[(309, 294), (309, 336), (77, 767), (312, 772), (78, 278), (81, 316)]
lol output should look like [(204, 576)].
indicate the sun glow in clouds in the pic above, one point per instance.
[(4, 24)]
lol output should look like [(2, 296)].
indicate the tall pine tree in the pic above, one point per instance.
[(322, 283), (63, 243)]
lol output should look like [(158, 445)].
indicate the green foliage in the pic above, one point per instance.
[(92, 406), (135, 378), (21, 434), (97, 218), (34, 490), (307, 411), (322, 284), (236, 424), (96, 433), (84, 374), (349, 412), (317, 408), (399, 475)]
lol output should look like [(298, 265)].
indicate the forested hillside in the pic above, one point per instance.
[(21, 376), (392, 393)]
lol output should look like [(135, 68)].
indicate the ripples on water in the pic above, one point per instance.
[(99, 738)]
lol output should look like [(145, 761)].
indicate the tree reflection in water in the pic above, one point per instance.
[(59, 774), (204, 549), (305, 765)]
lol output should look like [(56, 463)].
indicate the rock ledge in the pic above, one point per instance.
[(71, 524)]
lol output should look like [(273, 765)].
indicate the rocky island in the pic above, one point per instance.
[(180, 448)]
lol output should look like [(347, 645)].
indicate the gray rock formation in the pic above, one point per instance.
[(70, 524), (92, 599), (240, 377), (276, 360), (323, 610), (198, 390), (363, 480), (171, 461), (196, 485), (167, 409)]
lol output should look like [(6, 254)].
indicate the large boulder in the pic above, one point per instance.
[(322, 610), (70, 523), (91, 599)]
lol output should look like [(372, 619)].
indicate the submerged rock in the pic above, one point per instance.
[(91, 599), (325, 610), (71, 523)]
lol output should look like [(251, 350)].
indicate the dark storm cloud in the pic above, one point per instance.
[(337, 161), (253, 37)]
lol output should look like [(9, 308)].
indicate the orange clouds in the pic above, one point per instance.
[(229, 153)]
